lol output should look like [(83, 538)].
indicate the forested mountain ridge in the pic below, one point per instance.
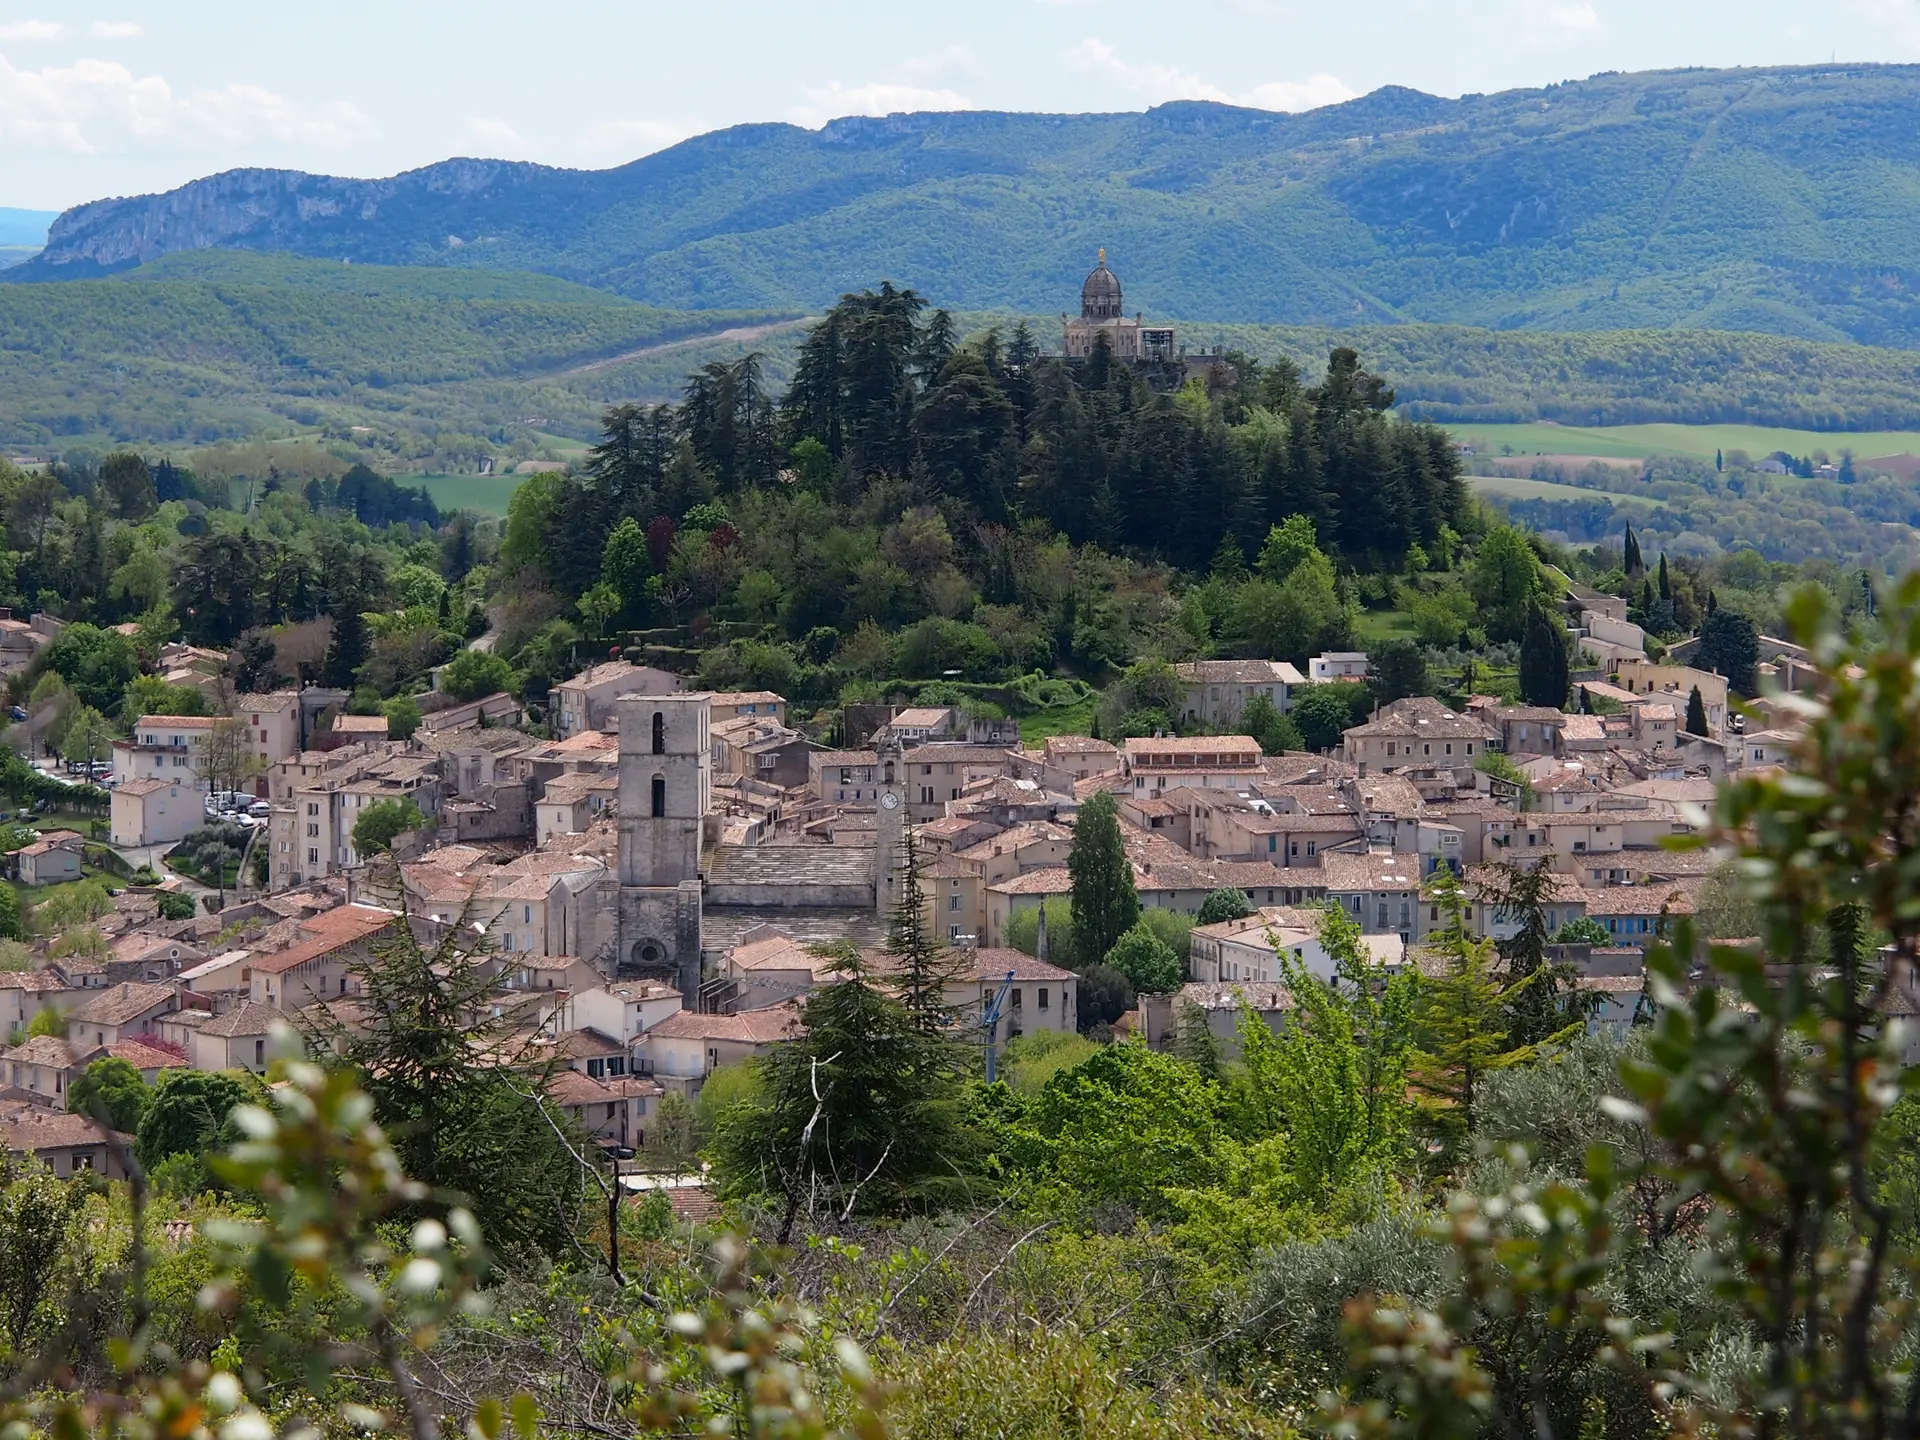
[(1763, 200)]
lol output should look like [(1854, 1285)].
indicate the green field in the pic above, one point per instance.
[(1698, 442), (486, 493), (1517, 488)]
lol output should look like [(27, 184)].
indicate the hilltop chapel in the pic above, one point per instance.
[(1100, 314)]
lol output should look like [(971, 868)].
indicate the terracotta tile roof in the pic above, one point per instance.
[(749, 1027), (121, 1004), (990, 967), (34, 1128), (247, 1019), (1047, 880), (325, 933), (1193, 744), (176, 722), (1264, 996), (145, 1055), (42, 1050)]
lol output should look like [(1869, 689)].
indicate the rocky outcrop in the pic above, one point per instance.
[(288, 210)]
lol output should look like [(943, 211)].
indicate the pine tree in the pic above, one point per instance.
[(1465, 1017), (1696, 713), (1548, 999), (347, 650), (858, 1115), (1105, 903), (922, 965)]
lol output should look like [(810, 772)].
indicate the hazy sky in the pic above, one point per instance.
[(124, 96)]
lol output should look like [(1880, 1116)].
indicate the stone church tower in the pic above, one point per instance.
[(665, 781)]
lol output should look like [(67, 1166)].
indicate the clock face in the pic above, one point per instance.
[(890, 800)]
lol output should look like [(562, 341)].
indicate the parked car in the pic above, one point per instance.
[(260, 810), (17, 712)]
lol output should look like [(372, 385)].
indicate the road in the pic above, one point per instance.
[(740, 334)]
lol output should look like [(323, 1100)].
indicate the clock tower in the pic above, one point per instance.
[(889, 854)]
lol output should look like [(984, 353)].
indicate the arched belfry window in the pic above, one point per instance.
[(659, 797), (889, 772), (659, 733)]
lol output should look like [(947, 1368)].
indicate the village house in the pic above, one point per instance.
[(1337, 665), (66, 1144), (1418, 732), (683, 1049), (1203, 761), (843, 777), (625, 1011), (119, 1012), (153, 811), (166, 747), (937, 773), (586, 701), (316, 966), (1218, 691), (570, 804), (273, 725), (51, 860)]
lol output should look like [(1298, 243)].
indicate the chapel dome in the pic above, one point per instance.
[(1100, 296)]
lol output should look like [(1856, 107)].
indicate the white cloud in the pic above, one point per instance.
[(495, 133), (1296, 95), (31, 30), (115, 30), (1157, 83), (1558, 22), (630, 139), (99, 106), (829, 101)]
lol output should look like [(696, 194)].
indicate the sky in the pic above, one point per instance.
[(119, 97)]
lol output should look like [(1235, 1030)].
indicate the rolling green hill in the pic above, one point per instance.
[(209, 345), (1783, 201), (203, 347)]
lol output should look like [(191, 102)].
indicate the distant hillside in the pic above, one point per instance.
[(206, 347), (25, 227), (1783, 201)]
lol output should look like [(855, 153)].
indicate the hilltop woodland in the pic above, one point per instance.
[(1428, 1207)]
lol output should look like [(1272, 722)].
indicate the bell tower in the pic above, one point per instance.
[(666, 772)]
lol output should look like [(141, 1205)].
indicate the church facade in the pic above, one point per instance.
[(1128, 338)]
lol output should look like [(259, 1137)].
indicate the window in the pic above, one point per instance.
[(526, 914), (1040, 997), (259, 1052), (659, 797), (768, 761), (313, 809), (1015, 997), (659, 733), (1449, 747), (1313, 848), (313, 829), (953, 902), (313, 856)]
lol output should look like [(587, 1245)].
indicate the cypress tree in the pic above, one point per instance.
[(1696, 713), (1666, 586), (1646, 597), (1545, 672), (1632, 562), (1105, 903)]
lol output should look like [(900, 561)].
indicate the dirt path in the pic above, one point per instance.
[(739, 334)]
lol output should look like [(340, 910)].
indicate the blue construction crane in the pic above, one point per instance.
[(990, 1022)]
